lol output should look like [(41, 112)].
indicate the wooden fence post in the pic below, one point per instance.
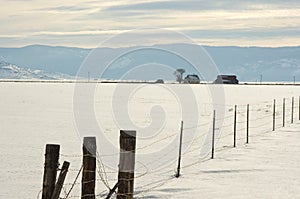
[(126, 164), (283, 113), (234, 127), (89, 149), (292, 114), (60, 181), (179, 154), (274, 114), (247, 125), (299, 108), (213, 136), (50, 170)]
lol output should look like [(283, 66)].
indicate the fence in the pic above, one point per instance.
[(237, 127)]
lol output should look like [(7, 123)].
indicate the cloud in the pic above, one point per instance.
[(77, 33), (170, 5), (249, 33), (200, 5), (213, 21), (204, 20), (64, 8), (12, 36)]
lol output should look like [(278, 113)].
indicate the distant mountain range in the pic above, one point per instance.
[(248, 63)]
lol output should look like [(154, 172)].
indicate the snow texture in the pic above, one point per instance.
[(34, 114)]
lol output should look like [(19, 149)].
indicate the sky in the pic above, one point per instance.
[(270, 23)]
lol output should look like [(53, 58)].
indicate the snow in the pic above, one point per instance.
[(34, 114), (266, 168), (10, 71)]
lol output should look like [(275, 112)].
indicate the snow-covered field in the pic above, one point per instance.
[(34, 114)]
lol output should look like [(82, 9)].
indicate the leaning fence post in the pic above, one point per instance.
[(274, 114), (179, 155), (50, 170), (283, 112), (292, 116), (234, 127), (89, 149), (126, 164), (213, 136), (60, 181), (247, 125)]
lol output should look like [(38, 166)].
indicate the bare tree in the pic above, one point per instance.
[(179, 74)]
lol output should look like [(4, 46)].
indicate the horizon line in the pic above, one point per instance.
[(88, 48)]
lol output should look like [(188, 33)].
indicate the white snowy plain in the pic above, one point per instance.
[(35, 114)]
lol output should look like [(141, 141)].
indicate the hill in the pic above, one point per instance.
[(11, 71), (248, 63)]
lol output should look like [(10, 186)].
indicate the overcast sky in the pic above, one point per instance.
[(208, 22)]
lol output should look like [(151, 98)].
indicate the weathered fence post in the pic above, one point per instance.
[(274, 114), (179, 155), (234, 127), (283, 113), (60, 181), (126, 164), (50, 170), (299, 108), (89, 149), (292, 114), (247, 125), (213, 136)]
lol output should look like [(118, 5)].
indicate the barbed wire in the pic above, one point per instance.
[(224, 118), (261, 125), (73, 184), (197, 126), (39, 193), (157, 141), (101, 171), (256, 114)]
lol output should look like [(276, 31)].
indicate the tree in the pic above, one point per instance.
[(179, 74)]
